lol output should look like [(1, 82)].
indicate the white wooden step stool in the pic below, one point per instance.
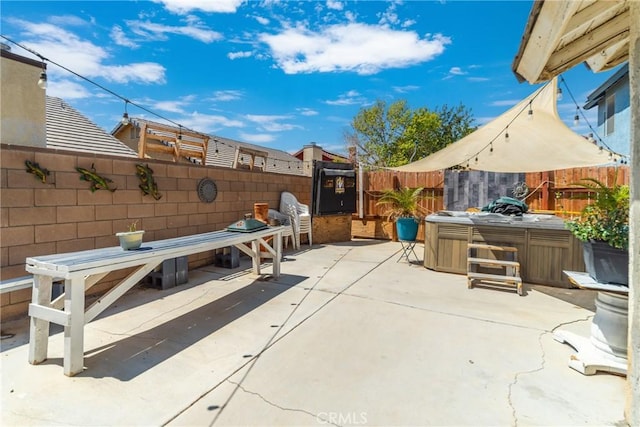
[(511, 275)]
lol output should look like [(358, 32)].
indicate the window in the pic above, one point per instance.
[(609, 125)]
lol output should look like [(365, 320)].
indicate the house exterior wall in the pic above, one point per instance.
[(22, 102), (63, 215), (619, 140)]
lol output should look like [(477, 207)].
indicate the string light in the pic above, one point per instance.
[(559, 94), (125, 116), (530, 112), (491, 148), (576, 118), (506, 134), (42, 83)]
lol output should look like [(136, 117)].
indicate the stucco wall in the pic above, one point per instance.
[(63, 215), (22, 102)]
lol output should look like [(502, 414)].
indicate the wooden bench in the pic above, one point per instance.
[(511, 268), (81, 270)]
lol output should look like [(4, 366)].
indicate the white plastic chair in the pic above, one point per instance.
[(288, 233), (300, 215)]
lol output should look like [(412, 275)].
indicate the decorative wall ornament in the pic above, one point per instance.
[(148, 184), (36, 170), (207, 190), (97, 182)]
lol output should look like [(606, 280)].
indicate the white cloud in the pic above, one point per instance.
[(141, 72), (405, 89), (226, 95), (271, 123), (351, 97), (457, 71), (67, 20), (67, 89), (208, 123), (118, 36), (307, 111), (236, 55), (505, 103), (364, 49), (257, 138), (335, 4), (84, 57), (262, 20), (152, 31), (214, 6), (478, 79)]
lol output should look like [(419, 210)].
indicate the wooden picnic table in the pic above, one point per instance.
[(81, 270)]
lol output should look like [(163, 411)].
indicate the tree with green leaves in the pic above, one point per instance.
[(394, 135)]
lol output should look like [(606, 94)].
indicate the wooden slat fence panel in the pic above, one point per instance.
[(549, 191)]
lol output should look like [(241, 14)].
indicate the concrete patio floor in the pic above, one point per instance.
[(346, 336)]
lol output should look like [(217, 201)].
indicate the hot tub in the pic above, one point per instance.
[(545, 246)]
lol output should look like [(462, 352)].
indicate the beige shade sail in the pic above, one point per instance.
[(536, 142)]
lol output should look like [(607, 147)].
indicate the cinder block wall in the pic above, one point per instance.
[(63, 215)]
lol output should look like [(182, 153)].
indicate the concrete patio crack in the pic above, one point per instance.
[(543, 362), (275, 405)]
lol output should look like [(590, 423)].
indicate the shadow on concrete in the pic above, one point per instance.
[(580, 297), (135, 354)]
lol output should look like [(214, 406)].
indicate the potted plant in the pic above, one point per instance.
[(603, 228), (132, 238), (403, 207)]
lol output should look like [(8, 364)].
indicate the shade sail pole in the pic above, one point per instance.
[(632, 407)]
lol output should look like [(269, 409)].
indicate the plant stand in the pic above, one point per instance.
[(408, 249), (606, 349)]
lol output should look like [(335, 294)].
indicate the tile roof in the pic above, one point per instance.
[(67, 129)]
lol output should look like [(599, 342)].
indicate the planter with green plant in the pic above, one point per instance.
[(132, 238), (403, 207), (603, 228)]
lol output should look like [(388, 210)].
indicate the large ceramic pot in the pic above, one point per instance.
[(606, 264), (407, 228)]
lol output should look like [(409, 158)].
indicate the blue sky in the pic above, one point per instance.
[(281, 74)]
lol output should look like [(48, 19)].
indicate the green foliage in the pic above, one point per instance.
[(395, 135), (133, 226), (402, 203), (606, 218)]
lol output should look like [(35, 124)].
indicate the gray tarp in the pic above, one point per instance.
[(537, 142)]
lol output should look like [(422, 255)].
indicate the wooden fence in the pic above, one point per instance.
[(550, 191)]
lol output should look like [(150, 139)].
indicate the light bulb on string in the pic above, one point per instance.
[(506, 134), (530, 112), (125, 116), (559, 94), (491, 149), (216, 142), (576, 118), (42, 81)]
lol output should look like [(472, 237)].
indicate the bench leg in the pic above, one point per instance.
[(255, 247), (39, 328), (74, 333), (277, 246)]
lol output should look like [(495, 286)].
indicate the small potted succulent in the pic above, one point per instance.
[(403, 207), (132, 238), (603, 228)]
